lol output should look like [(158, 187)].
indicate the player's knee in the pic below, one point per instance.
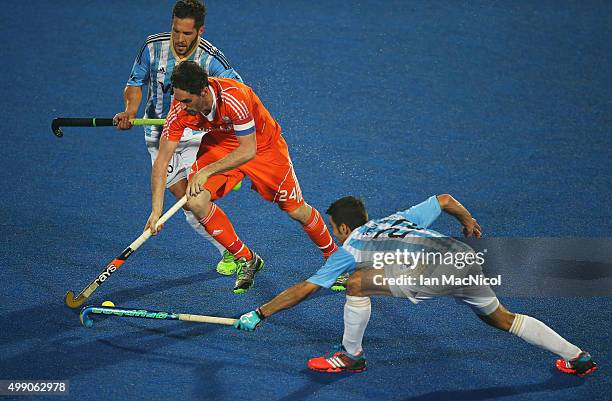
[(191, 204), (199, 204), (353, 285)]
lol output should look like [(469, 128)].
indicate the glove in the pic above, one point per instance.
[(248, 321)]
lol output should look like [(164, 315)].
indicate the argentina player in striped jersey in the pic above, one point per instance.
[(153, 68), (377, 253)]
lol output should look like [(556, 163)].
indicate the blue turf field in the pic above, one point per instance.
[(506, 106)]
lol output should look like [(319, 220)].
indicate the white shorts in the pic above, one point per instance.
[(479, 297), (183, 158)]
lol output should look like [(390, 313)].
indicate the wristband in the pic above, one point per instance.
[(260, 313)]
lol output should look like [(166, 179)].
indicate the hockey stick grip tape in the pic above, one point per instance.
[(148, 121), (206, 319)]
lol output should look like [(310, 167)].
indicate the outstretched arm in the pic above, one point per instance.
[(339, 262), (450, 205), (286, 299)]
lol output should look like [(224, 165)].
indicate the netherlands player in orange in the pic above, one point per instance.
[(241, 139)]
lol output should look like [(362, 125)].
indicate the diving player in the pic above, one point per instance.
[(363, 243)]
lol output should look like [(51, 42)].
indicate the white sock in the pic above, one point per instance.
[(537, 333), (357, 312), (195, 224)]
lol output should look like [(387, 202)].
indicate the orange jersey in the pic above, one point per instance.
[(236, 111)]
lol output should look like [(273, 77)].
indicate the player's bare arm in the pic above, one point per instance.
[(289, 298), (158, 182), (450, 205), (241, 155), (132, 96), (286, 299)]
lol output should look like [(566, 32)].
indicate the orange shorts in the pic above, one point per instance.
[(271, 173)]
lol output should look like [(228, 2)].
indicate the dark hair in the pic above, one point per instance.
[(348, 210), (190, 77), (190, 9)]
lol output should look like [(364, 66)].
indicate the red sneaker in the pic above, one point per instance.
[(338, 360), (582, 365)]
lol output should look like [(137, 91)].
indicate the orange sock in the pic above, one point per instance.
[(220, 228), (319, 234)]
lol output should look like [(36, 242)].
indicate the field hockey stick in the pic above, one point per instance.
[(74, 303), (58, 123), (87, 321)]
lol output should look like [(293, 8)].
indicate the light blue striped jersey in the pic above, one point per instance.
[(153, 67), (407, 229)]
